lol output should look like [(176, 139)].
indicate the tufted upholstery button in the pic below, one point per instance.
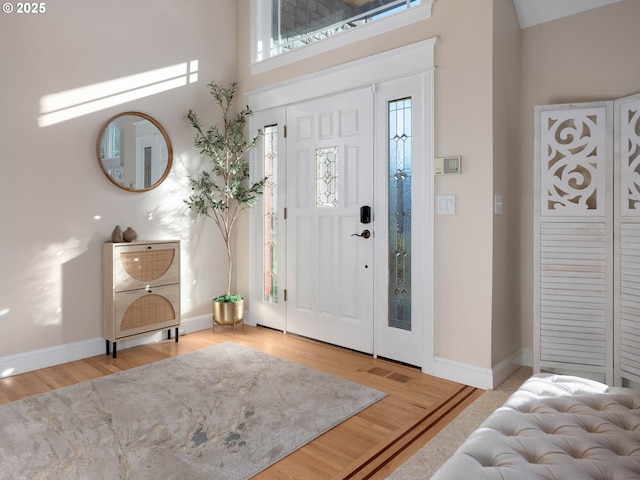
[(555, 427)]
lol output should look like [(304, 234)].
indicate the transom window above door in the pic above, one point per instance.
[(282, 27)]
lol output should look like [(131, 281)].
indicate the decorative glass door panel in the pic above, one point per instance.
[(400, 214), (327, 177), (270, 215)]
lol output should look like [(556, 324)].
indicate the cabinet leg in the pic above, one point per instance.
[(108, 347), (169, 334), (114, 349)]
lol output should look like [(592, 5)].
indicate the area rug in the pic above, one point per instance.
[(423, 464), (224, 412)]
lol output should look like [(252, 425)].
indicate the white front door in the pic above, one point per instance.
[(372, 295), (330, 168)]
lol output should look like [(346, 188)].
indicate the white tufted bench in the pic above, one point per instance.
[(554, 427)]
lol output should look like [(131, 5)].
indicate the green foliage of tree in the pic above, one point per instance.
[(223, 189)]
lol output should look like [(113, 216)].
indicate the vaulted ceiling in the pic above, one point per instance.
[(533, 12)]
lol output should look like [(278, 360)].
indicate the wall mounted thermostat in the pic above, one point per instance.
[(448, 165)]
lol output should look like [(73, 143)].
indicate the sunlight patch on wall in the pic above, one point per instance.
[(62, 106), (168, 214), (47, 275)]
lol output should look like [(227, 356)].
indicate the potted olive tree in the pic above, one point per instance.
[(223, 189)]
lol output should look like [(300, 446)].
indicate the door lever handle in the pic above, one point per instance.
[(364, 234)]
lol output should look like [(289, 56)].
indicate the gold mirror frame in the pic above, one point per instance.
[(120, 169)]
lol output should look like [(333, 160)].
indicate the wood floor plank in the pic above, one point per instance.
[(370, 444)]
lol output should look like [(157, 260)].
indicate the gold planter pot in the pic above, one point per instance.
[(228, 313)]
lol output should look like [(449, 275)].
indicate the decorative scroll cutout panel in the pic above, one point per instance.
[(630, 158), (573, 153)]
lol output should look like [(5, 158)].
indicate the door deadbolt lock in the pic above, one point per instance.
[(364, 234)]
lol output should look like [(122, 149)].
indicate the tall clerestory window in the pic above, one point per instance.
[(296, 23), (281, 26)]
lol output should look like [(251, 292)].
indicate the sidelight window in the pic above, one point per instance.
[(400, 179), (269, 215)]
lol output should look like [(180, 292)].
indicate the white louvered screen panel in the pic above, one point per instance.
[(629, 298), (627, 239), (628, 156), (573, 296), (580, 178), (573, 251)]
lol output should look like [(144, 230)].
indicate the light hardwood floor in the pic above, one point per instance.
[(370, 444)]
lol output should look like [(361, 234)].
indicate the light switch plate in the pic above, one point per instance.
[(445, 204), (497, 204)]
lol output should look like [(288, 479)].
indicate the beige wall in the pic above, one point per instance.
[(586, 57), (464, 125), (506, 134), (51, 186)]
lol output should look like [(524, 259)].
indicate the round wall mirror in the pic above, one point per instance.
[(134, 151)]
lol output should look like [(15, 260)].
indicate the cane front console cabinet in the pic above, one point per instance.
[(141, 290)]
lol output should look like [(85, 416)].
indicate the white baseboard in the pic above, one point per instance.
[(506, 368), (527, 357), (47, 357), (451, 370), (485, 378)]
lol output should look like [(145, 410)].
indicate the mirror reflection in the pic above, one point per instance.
[(134, 151)]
